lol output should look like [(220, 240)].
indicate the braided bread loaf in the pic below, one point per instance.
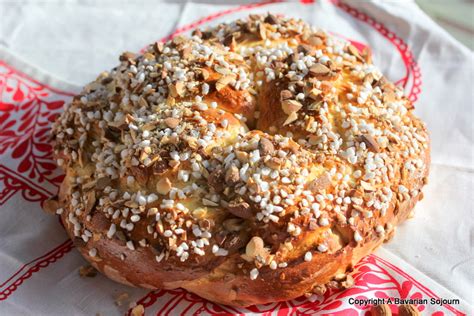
[(253, 162)]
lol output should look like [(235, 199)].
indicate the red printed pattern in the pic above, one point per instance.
[(26, 113), (27, 109), (373, 276), (14, 182), (27, 270)]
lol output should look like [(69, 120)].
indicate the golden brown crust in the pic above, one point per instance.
[(255, 162)]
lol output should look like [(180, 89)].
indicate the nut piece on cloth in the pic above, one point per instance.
[(408, 310), (381, 310), (253, 162)]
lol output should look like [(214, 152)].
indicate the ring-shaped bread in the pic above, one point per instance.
[(253, 162)]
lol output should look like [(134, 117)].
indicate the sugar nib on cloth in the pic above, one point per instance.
[(250, 163)]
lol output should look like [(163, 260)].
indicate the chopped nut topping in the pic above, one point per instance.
[(285, 95), (171, 122), (370, 142), (255, 247), (51, 205), (232, 175), (408, 310), (354, 51), (127, 56), (291, 106), (177, 89), (163, 186), (87, 271), (262, 31), (381, 310), (240, 209), (138, 310), (121, 298), (319, 70), (291, 118), (320, 183), (223, 82), (266, 146)]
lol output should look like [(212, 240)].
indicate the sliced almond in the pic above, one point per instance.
[(242, 156), (240, 209), (262, 31), (313, 140), (256, 247), (228, 40), (127, 56), (320, 183), (121, 298), (171, 122), (152, 211), (131, 204), (143, 102), (319, 289), (273, 163), (367, 55), (232, 175), (172, 90), (138, 310), (290, 106), (159, 227), (163, 186), (200, 212), (149, 56), (315, 41), (204, 73), (370, 142), (141, 175), (158, 47), (90, 201), (51, 205), (107, 80), (187, 52), (223, 82), (192, 142), (315, 105), (305, 49), (314, 93), (266, 146), (408, 310), (177, 89), (271, 19), (222, 70), (354, 51), (380, 310), (180, 88), (87, 271), (291, 118), (366, 186), (285, 95), (89, 185), (319, 70)]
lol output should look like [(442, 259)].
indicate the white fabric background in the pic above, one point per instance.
[(73, 41)]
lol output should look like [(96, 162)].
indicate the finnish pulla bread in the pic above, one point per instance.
[(248, 163)]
